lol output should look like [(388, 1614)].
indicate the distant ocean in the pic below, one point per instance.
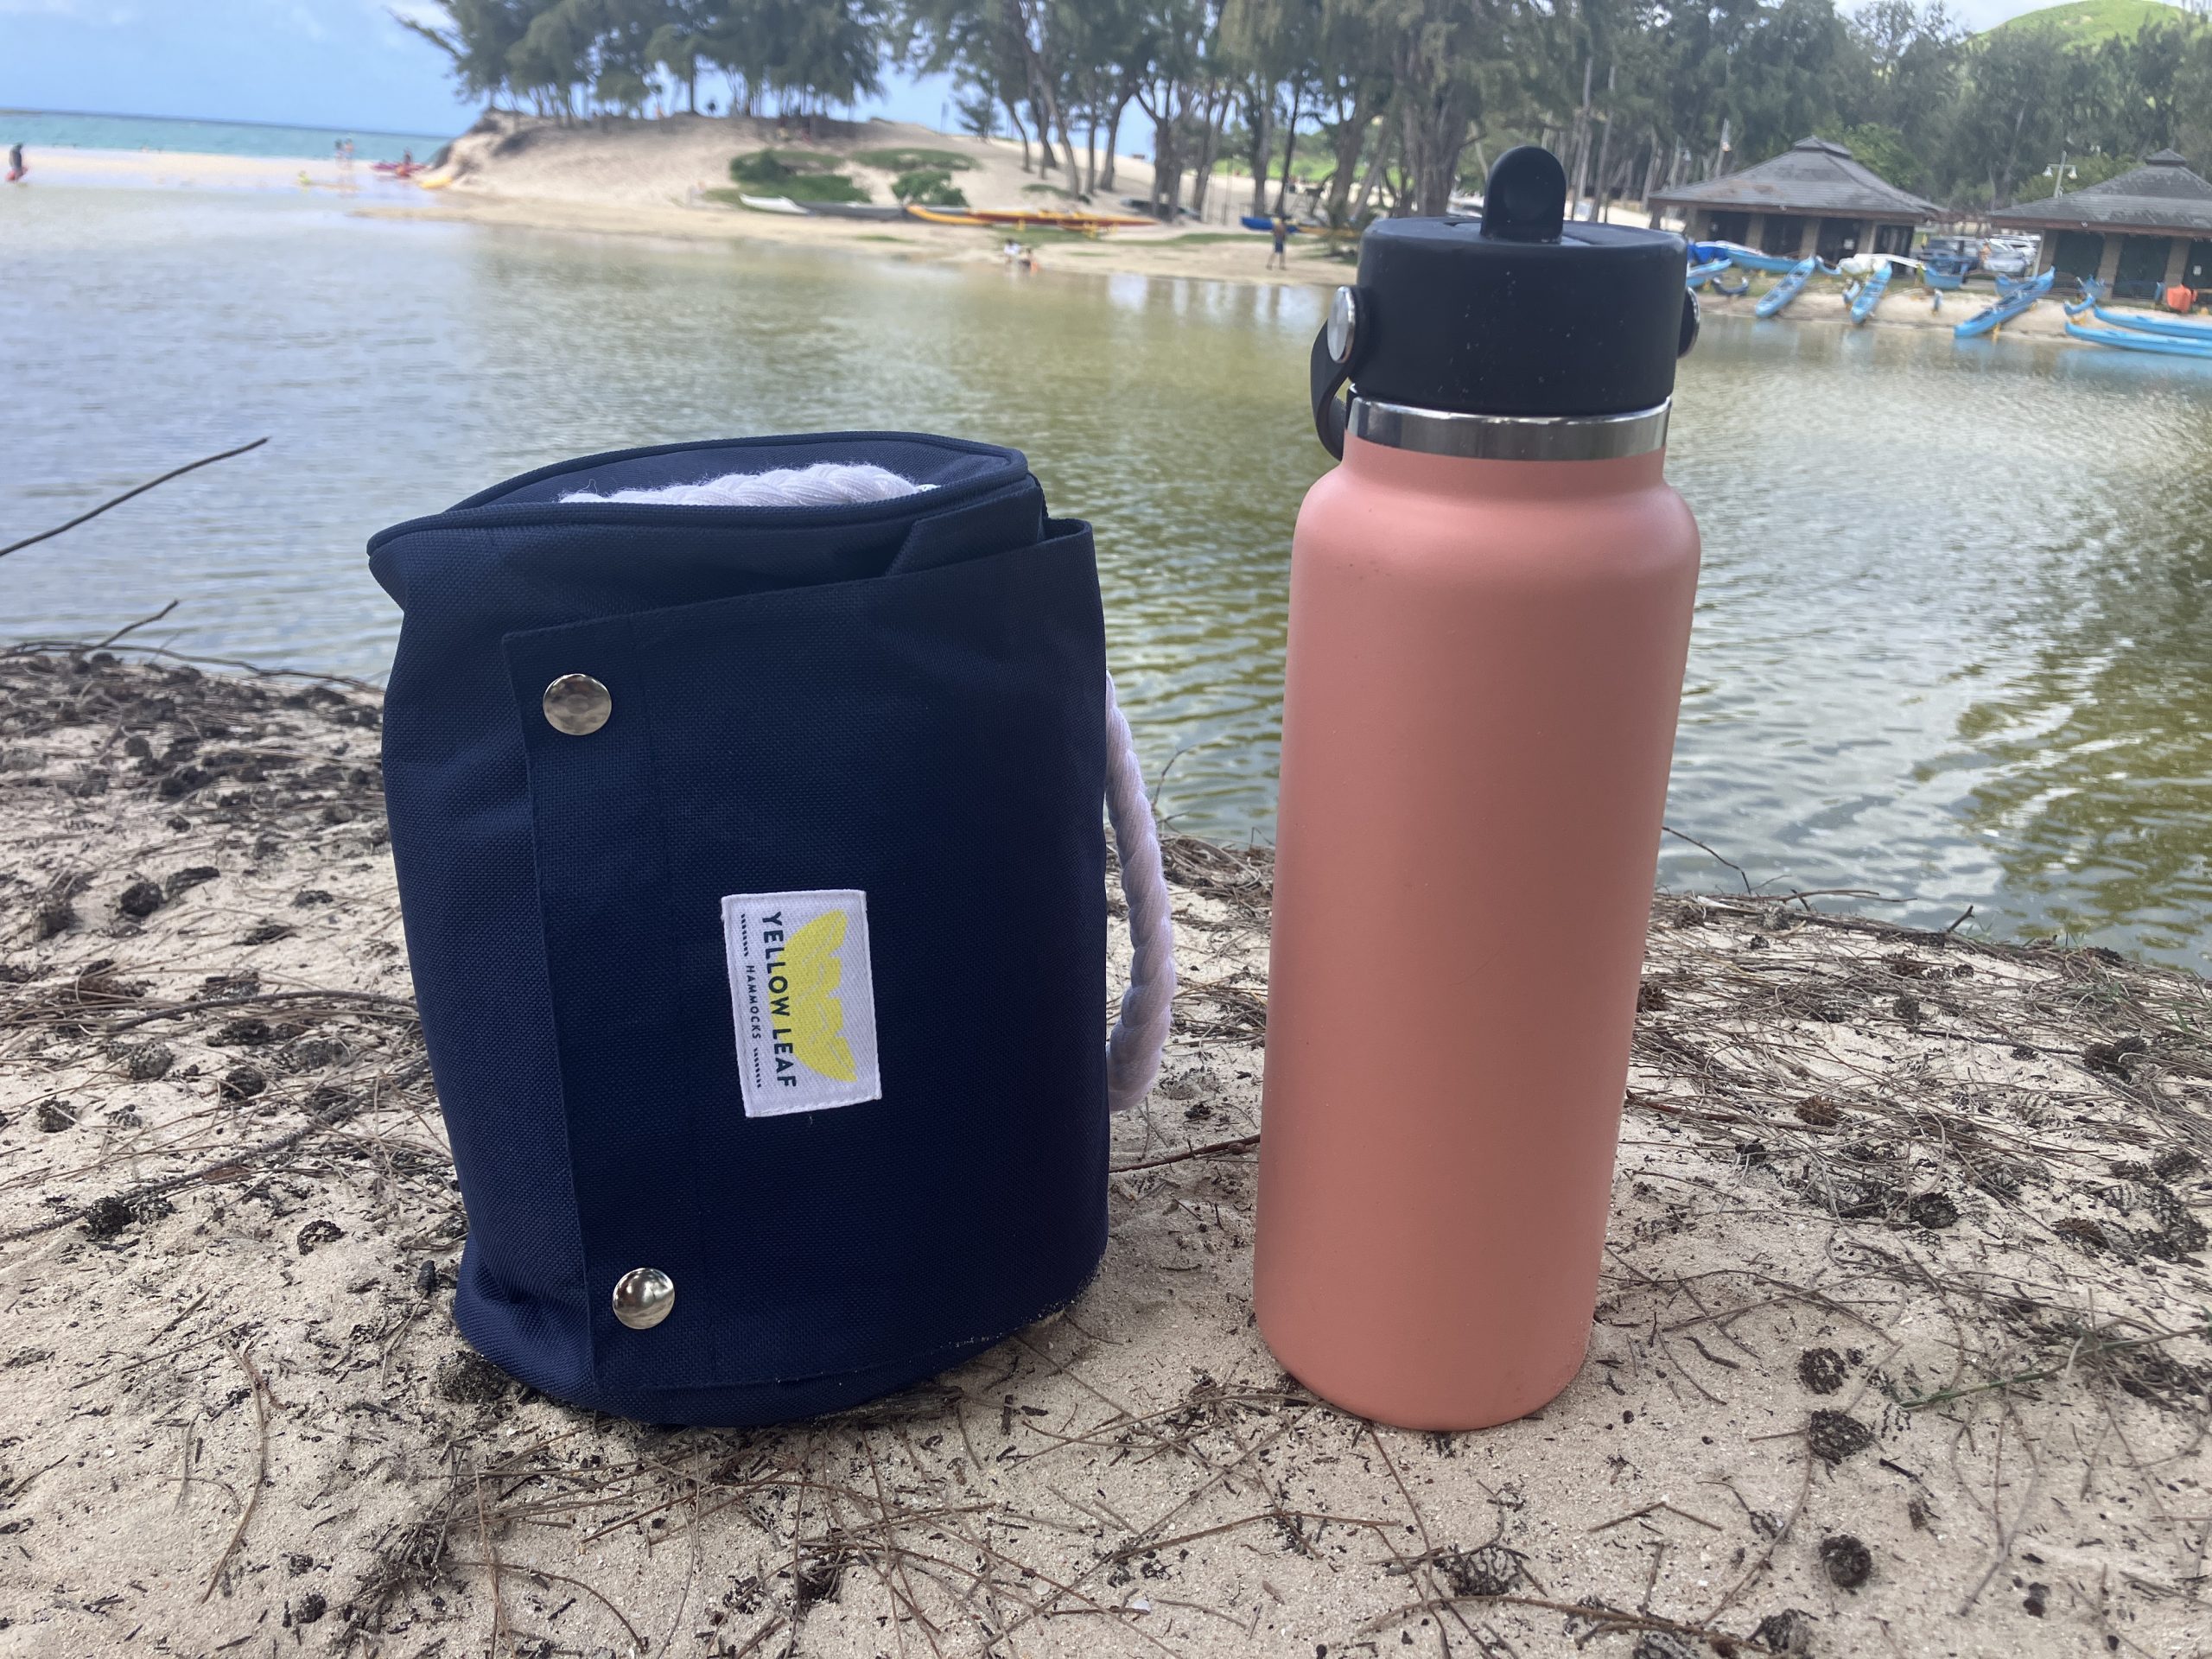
[(53, 128)]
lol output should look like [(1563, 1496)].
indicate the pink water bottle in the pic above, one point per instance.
[(1489, 610)]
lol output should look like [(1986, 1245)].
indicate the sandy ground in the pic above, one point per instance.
[(652, 178), (1901, 1347), (1907, 305)]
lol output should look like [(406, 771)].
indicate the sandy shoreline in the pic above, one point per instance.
[(1898, 1348), (651, 179)]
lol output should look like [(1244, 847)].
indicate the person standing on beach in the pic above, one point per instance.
[(16, 168), (1279, 259)]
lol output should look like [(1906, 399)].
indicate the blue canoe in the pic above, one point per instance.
[(1772, 263), (1870, 293), (2148, 322), (2004, 310), (2093, 296), (1261, 222), (2128, 340), (1944, 282), (1787, 289), (1702, 274)]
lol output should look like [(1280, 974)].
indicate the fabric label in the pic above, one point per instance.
[(803, 997)]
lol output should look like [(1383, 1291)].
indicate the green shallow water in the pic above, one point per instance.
[(1953, 642)]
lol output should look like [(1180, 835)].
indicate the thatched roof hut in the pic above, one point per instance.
[(1815, 182), (2148, 229)]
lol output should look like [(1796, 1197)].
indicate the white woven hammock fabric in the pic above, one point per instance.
[(1140, 1033), (825, 483)]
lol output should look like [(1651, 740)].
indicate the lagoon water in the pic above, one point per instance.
[(1955, 639)]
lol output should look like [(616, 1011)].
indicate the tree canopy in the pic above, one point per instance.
[(1398, 102)]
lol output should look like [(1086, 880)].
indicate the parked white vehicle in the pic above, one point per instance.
[(2010, 256)]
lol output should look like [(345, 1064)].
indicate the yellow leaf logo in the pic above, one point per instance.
[(809, 1014)]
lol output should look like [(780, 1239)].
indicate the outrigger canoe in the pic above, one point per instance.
[(2093, 296), (2128, 340), (771, 204), (2012, 305), (867, 210), (2145, 322), (1064, 219), (1774, 264), (1870, 293), (1787, 289), (1025, 217), (942, 215)]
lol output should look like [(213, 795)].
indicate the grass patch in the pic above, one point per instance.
[(796, 173), (1047, 190), (2088, 23), (908, 158)]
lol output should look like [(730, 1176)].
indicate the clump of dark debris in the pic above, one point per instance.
[(1788, 1632), (1933, 1210), (146, 1062), (243, 1082), (1835, 1436), (106, 1218), (412, 1557), (1493, 1570), (468, 1378), (141, 898), (1820, 1370), (55, 1115), (1849, 1562)]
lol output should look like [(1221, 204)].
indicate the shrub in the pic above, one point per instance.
[(931, 187)]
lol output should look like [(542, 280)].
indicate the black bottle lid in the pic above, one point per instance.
[(1519, 312)]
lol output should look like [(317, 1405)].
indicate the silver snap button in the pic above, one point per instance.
[(644, 1297), (577, 704)]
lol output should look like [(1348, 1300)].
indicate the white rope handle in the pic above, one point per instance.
[(1148, 1006), (1140, 1032)]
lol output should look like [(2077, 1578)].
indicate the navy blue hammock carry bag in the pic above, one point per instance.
[(746, 799)]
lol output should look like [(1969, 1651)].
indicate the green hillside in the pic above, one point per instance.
[(2085, 22)]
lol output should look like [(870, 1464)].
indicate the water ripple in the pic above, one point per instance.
[(1954, 641)]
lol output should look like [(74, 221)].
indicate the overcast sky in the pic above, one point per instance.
[(319, 63)]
